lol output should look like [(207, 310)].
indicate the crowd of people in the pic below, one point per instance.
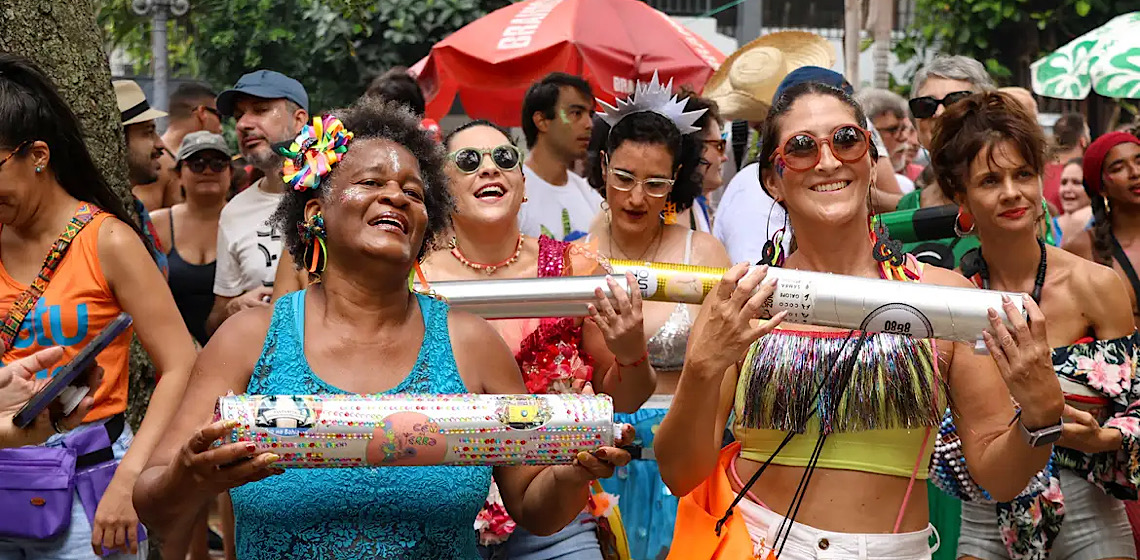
[(302, 263)]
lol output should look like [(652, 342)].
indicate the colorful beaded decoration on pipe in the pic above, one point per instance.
[(314, 152), (325, 431)]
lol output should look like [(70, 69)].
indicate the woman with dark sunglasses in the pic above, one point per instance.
[(940, 84), (189, 229), (556, 355), (648, 168), (809, 404)]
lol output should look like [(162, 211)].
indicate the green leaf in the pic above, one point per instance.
[(1083, 7)]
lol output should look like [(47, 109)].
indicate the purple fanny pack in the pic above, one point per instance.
[(36, 487), (38, 484)]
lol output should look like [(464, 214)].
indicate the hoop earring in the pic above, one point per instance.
[(315, 257), (773, 252), (958, 221)]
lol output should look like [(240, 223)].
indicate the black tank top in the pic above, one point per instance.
[(193, 289)]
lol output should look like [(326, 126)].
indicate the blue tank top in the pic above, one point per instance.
[(385, 512)]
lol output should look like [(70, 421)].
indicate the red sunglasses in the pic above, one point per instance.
[(802, 151)]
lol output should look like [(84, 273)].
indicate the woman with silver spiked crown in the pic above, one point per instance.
[(645, 159)]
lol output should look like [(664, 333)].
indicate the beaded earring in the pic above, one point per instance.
[(313, 234), (669, 214)]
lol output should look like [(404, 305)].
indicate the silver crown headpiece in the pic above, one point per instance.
[(655, 98)]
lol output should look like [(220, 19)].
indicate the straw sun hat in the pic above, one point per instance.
[(744, 85)]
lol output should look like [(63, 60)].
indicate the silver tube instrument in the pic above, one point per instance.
[(813, 298)]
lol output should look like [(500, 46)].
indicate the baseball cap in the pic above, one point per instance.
[(200, 141), (813, 74), (265, 84), (133, 106)]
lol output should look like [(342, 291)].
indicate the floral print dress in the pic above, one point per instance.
[(1098, 376)]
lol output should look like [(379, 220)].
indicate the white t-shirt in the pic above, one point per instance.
[(562, 212), (747, 217), (248, 248)]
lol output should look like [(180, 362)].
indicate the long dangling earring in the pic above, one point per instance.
[(887, 251), (963, 219), (669, 214), (773, 252), (606, 210), (316, 256)]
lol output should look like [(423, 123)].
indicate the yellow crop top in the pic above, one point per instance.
[(885, 421)]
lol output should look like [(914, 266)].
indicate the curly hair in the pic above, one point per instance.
[(770, 135), (371, 117), (649, 128), (978, 122)]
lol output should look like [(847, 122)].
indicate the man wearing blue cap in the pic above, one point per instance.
[(270, 108)]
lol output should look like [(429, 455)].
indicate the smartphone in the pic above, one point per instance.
[(70, 372)]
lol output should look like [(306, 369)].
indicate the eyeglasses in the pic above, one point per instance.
[(468, 160), (802, 151), (719, 144), (198, 165), (15, 151), (211, 110), (925, 107), (657, 187)]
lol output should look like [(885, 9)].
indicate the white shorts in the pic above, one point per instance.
[(804, 542)]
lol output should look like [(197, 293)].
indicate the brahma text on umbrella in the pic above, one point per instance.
[(522, 27)]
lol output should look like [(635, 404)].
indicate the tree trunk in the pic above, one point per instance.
[(62, 37), (883, 11), (852, 36)]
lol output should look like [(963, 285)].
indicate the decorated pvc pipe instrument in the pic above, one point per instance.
[(812, 298), (322, 431)]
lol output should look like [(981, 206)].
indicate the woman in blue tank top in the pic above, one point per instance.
[(359, 330)]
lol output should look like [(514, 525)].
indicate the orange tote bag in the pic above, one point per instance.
[(695, 536)]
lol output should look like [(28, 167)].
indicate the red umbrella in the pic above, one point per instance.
[(491, 62)]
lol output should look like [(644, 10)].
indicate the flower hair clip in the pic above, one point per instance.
[(314, 152)]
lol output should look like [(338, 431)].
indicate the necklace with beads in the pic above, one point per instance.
[(487, 269)]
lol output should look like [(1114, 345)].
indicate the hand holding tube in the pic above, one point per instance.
[(1024, 358), (723, 330)]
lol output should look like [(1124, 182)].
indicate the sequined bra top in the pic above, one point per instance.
[(667, 345), (881, 418)]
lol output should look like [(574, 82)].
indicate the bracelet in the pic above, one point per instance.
[(639, 361)]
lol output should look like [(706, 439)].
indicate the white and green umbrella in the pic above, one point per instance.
[(1106, 59)]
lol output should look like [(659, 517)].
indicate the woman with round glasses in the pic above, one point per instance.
[(648, 171), (852, 415), (189, 230), (556, 355)]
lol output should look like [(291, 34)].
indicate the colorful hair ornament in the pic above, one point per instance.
[(314, 152)]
